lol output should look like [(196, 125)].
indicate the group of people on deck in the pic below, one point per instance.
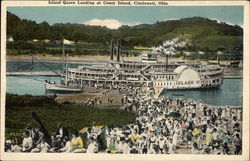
[(163, 126)]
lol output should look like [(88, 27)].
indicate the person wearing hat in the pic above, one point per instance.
[(27, 144), (215, 137), (225, 137), (162, 143), (195, 149), (133, 148), (209, 132), (189, 137), (61, 132), (112, 146), (237, 143), (14, 147), (175, 139), (134, 136), (152, 142), (31, 130), (225, 148), (67, 145), (123, 146), (76, 143), (140, 143)]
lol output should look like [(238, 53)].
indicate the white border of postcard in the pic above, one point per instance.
[(103, 157)]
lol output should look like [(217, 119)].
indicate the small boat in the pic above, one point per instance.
[(59, 88), (64, 87)]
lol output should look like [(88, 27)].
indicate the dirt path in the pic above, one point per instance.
[(91, 94)]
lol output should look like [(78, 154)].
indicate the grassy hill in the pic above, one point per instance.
[(203, 34)]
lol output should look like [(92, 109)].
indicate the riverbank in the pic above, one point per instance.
[(102, 96), (74, 59), (229, 72), (93, 97), (236, 73)]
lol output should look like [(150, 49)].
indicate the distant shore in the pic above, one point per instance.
[(99, 59), (74, 59)]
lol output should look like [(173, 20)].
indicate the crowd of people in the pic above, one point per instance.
[(163, 126), (168, 126)]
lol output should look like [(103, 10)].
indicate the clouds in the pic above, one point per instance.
[(109, 23), (219, 21), (115, 24)]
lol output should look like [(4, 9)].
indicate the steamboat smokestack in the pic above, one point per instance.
[(112, 50), (118, 50)]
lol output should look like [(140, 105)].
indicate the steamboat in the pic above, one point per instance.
[(149, 71)]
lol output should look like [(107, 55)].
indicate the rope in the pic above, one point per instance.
[(37, 80), (46, 66)]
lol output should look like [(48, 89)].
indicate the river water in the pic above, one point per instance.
[(230, 93)]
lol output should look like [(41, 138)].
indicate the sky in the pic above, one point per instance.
[(114, 17)]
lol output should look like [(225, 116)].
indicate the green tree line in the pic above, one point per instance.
[(203, 34)]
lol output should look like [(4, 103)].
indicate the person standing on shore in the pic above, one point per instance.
[(209, 135), (237, 144)]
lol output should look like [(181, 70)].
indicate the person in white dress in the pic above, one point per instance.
[(162, 143), (27, 144), (92, 147), (43, 146), (123, 147)]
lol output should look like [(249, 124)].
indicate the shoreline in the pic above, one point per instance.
[(229, 73), (47, 57), (58, 59)]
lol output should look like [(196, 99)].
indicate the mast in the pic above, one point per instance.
[(66, 75), (166, 62), (118, 50), (112, 50), (63, 56), (162, 49)]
